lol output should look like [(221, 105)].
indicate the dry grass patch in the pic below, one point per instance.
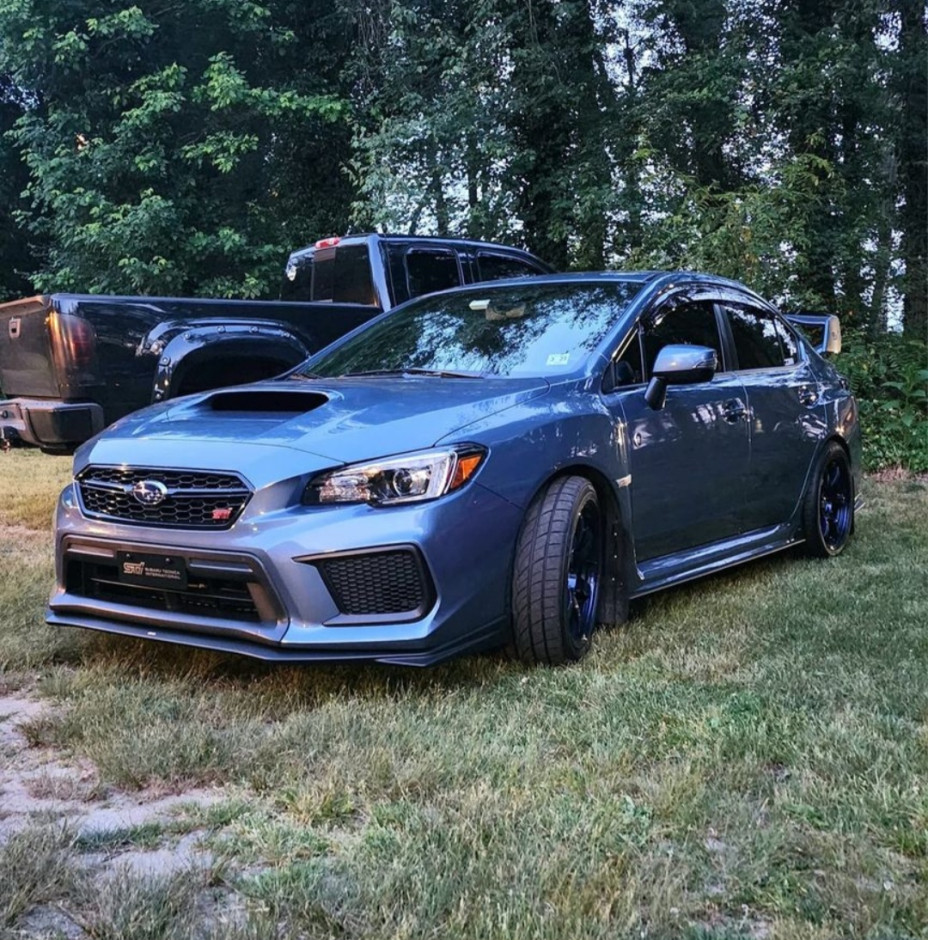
[(29, 484)]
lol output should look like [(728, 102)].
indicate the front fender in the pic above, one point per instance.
[(184, 347)]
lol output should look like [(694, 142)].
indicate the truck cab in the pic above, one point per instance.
[(386, 270)]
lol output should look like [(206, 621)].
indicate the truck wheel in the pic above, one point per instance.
[(828, 506), (557, 572)]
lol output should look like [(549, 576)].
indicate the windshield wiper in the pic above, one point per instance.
[(440, 373)]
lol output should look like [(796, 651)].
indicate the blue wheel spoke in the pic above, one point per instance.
[(583, 574), (835, 503)]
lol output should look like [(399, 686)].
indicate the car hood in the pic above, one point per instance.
[(336, 420)]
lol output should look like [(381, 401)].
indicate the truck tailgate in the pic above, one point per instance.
[(26, 367)]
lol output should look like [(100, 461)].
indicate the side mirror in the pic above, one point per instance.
[(679, 365)]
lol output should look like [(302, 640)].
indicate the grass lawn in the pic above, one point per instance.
[(747, 758)]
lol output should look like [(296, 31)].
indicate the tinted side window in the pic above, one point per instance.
[(496, 267), (788, 342), (298, 280), (429, 271), (352, 276), (755, 334), (397, 262), (628, 370), (324, 274), (687, 322)]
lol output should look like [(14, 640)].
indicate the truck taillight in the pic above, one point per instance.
[(328, 242), (73, 340)]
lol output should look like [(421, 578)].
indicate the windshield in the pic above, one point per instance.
[(529, 329)]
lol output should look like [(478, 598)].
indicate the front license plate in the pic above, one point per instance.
[(157, 571)]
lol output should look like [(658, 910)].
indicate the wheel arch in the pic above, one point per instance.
[(823, 444), (246, 352), (613, 607)]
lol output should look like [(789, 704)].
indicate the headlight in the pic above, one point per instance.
[(410, 478)]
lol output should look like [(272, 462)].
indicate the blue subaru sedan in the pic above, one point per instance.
[(502, 465)]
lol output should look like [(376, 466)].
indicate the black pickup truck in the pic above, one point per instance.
[(70, 364)]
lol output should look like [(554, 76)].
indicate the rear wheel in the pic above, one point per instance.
[(557, 574), (828, 509)]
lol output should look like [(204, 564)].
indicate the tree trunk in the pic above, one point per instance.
[(882, 262), (913, 167)]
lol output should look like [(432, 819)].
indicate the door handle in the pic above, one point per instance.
[(734, 410), (807, 395)]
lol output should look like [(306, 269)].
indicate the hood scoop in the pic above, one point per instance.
[(266, 401)]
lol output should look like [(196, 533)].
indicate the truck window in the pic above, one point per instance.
[(343, 275), (396, 259), (493, 267), (298, 278), (430, 270)]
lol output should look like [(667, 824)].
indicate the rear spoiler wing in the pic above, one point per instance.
[(823, 330)]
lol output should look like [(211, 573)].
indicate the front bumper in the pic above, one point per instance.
[(50, 424), (262, 588)]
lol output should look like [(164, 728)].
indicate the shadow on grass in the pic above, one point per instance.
[(317, 682)]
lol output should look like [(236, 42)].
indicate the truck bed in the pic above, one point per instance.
[(107, 352)]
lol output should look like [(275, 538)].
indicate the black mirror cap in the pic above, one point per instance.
[(680, 364), (656, 393)]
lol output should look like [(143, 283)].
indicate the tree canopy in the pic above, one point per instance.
[(162, 149)]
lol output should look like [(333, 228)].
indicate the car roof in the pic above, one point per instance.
[(659, 279)]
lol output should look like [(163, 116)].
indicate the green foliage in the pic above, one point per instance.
[(15, 255), (465, 125), (889, 376), (184, 148), (752, 234), (164, 142)]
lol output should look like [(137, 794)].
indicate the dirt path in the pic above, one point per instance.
[(39, 785)]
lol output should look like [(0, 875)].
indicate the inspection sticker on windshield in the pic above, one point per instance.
[(558, 359)]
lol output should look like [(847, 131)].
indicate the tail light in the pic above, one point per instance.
[(328, 242), (73, 342)]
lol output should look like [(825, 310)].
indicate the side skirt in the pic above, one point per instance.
[(655, 574)]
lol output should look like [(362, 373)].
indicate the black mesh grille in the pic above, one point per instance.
[(195, 499), (224, 598), (391, 582)]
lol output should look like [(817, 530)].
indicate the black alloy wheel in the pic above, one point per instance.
[(828, 509), (557, 574)]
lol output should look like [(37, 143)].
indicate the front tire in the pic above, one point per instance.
[(828, 508), (557, 574)]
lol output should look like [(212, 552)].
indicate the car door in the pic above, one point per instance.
[(688, 460), (786, 422)]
